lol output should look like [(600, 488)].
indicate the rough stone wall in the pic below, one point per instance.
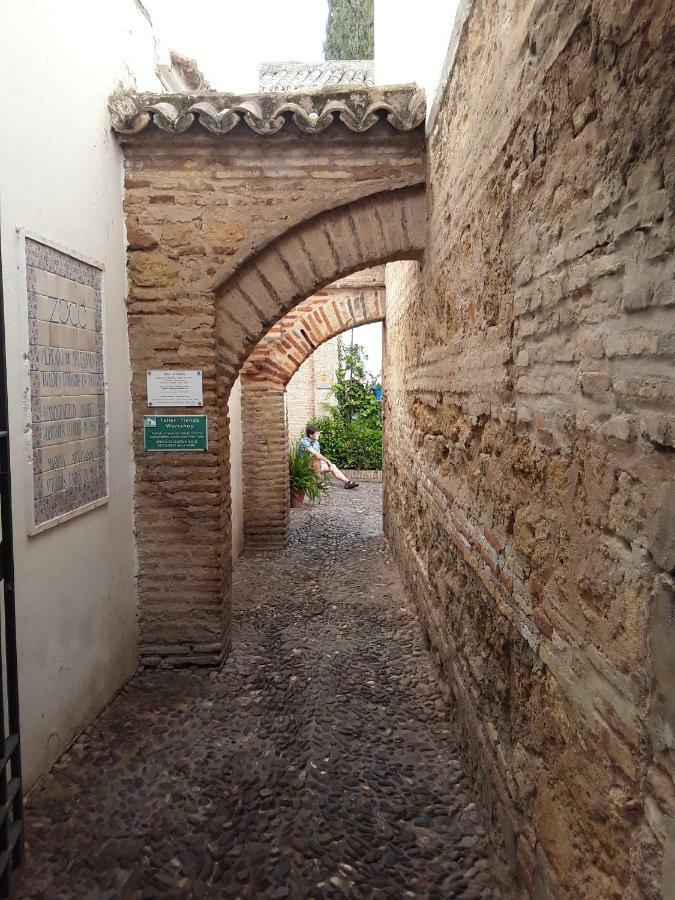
[(197, 206), (529, 431)]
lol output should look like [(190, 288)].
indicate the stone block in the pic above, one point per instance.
[(151, 269), (138, 238), (593, 383), (662, 525)]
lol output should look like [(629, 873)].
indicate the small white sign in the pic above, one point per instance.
[(182, 387)]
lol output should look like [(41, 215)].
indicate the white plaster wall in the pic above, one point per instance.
[(300, 400), (236, 471), (61, 177), (325, 361), (412, 47)]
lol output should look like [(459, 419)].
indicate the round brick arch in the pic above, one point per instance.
[(264, 377), (381, 228), (280, 353)]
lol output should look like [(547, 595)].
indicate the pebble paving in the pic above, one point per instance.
[(318, 763)]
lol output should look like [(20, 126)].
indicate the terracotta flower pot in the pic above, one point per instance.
[(297, 498)]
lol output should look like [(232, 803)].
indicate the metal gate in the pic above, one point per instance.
[(11, 799)]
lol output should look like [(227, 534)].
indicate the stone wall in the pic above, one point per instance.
[(529, 431)]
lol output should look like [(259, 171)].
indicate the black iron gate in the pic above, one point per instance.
[(11, 800)]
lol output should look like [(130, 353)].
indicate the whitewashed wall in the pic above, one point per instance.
[(61, 177), (309, 389)]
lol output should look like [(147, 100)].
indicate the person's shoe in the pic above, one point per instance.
[(351, 484)]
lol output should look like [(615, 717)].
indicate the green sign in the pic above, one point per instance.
[(175, 433)]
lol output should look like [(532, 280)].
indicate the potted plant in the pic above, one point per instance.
[(304, 480)]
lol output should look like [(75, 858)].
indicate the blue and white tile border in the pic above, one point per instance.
[(42, 514)]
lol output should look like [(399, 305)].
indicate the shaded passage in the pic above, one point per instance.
[(318, 763)]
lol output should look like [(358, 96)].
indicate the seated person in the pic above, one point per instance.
[(310, 444)]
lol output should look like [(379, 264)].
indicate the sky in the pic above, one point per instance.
[(370, 338), (230, 38)]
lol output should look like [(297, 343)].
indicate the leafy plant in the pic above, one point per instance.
[(351, 445), (349, 30), (351, 431), (354, 387), (304, 477)]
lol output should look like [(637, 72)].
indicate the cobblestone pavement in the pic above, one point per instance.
[(318, 763)]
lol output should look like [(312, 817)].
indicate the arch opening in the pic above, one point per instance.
[(381, 228), (348, 303)]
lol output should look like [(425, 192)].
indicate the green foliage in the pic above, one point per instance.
[(303, 476), (349, 30), (353, 388), (351, 445), (351, 432)]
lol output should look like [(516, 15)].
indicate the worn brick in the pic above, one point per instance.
[(222, 246)]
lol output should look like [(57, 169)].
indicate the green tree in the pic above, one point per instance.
[(351, 432), (353, 387), (349, 30)]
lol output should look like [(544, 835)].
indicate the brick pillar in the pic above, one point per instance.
[(265, 464), (182, 500)]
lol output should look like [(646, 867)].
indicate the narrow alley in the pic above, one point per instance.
[(318, 763)]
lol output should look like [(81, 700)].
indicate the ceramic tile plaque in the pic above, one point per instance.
[(67, 385)]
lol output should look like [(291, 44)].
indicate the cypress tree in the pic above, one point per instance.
[(349, 30)]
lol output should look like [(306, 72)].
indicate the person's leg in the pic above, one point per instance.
[(337, 474)]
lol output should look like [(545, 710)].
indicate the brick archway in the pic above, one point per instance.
[(346, 304), (238, 209), (280, 353), (382, 228)]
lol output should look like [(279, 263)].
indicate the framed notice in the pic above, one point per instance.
[(68, 453), (177, 434), (175, 387)]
